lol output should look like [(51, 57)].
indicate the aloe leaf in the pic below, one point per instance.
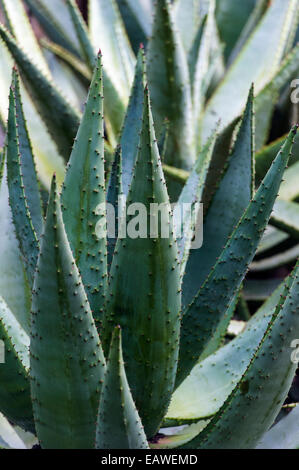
[(114, 193), (19, 25), (18, 189), (261, 391), (170, 88), (151, 320), (202, 76), (61, 119), (107, 32), (129, 139), (273, 262), (284, 435), (206, 311), (55, 19), (119, 425), (186, 220), (14, 286), (29, 177), (115, 104), (257, 63), (266, 99), (64, 404), (15, 398), (234, 191), (187, 19), (231, 18), (212, 380), (83, 197), (285, 216), (9, 439)]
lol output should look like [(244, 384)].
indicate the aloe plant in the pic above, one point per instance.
[(111, 341)]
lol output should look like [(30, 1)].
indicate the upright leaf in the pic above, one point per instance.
[(130, 133), (61, 119), (187, 20), (83, 197), (150, 320), (66, 368), (119, 425), (207, 310), (115, 104), (234, 192), (170, 88), (17, 196), (189, 199), (114, 194)]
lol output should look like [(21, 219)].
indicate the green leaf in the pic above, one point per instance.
[(61, 119), (170, 88), (66, 369), (113, 194), (55, 20), (83, 198), (14, 286), (119, 425), (284, 435), (213, 379), (234, 191), (115, 104), (186, 220), (150, 320), (261, 391), (202, 317), (257, 63), (285, 216), (108, 33), (129, 139), (18, 157), (15, 397), (268, 96)]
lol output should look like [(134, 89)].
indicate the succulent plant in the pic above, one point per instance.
[(109, 339)]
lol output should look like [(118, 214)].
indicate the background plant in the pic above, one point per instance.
[(200, 64)]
